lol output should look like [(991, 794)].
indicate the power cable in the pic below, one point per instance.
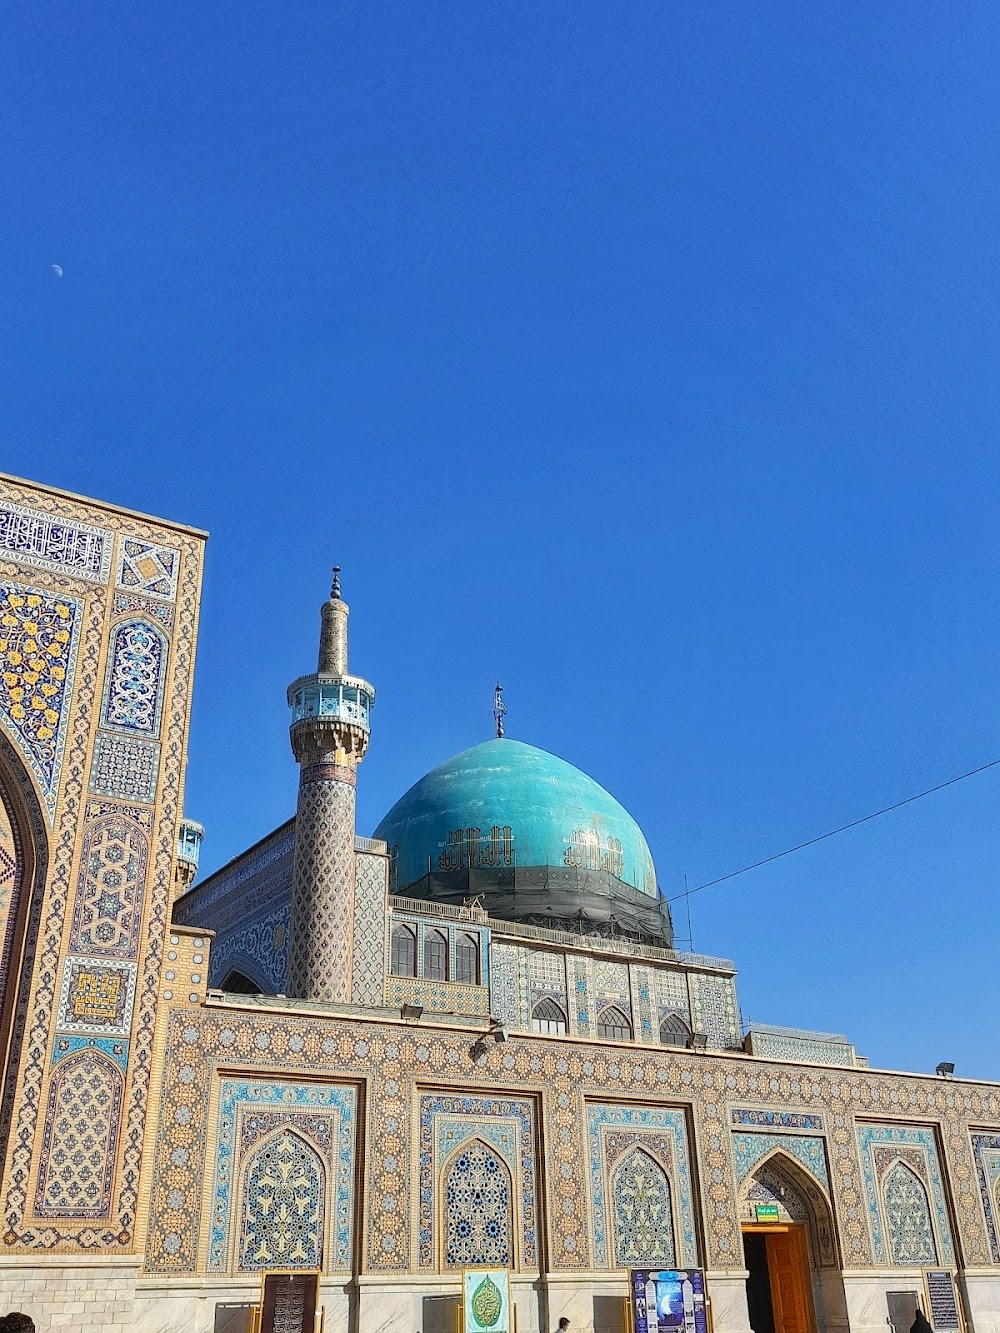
[(811, 842)]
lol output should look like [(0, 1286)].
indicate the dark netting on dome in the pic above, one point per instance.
[(591, 902)]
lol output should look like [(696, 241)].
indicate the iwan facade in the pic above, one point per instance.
[(466, 1040)]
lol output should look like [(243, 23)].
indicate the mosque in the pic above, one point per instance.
[(316, 1087)]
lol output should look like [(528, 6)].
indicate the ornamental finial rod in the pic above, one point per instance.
[(335, 589), (499, 709)]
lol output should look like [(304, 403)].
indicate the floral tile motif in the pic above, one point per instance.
[(38, 646), (749, 1149), (253, 1113), (907, 1211), (148, 568), (116, 1050), (662, 1133), (133, 687)]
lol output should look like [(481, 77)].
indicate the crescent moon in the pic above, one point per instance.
[(57, 269)]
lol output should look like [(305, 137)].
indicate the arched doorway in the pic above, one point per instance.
[(795, 1284), (23, 861)]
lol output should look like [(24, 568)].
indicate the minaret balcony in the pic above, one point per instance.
[(343, 698)]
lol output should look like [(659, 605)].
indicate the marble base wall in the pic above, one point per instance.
[(981, 1293), (62, 1291)]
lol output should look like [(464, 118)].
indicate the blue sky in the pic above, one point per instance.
[(644, 357)]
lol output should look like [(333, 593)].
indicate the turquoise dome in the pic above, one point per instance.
[(507, 804)]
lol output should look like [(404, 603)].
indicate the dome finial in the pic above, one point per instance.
[(335, 590), (499, 709)]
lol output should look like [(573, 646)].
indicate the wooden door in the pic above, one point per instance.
[(788, 1270)]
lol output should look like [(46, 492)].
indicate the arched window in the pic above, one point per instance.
[(283, 1198), (644, 1225), (467, 960), (238, 983), (674, 1031), (404, 952), (478, 1212), (613, 1023), (548, 1017), (436, 955), (911, 1234)]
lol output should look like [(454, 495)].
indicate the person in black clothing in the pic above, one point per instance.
[(920, 1324)]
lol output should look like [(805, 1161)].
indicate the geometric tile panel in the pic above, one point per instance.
[(672, 993), (907, 1212), (613, 1132), (371, 875), (449, 1127), (447, 997), (38, 647), (714, 1010), (133, 695), (611, 984), (284, 1150), (97, 996), (478, 1213), (81, 1131), (284, 1193), (124, 767), (147, 568), (321, 931), (504, 988), (108, 906), (581, 981)]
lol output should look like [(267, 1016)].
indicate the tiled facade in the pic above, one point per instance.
[(94, 704), (169, 1143)]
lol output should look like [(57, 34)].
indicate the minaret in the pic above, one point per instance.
[(329, 733)]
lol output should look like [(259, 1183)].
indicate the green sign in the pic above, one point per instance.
[(486, 1300), (767, 1212)]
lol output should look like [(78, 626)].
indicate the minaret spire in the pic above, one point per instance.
[(333, 634), (331, 713)]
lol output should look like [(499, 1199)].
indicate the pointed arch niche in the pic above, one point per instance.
[(908, 1217), (283, 1198), (780, 1179), (642, 1207), (23, 866), (477, 1205)]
